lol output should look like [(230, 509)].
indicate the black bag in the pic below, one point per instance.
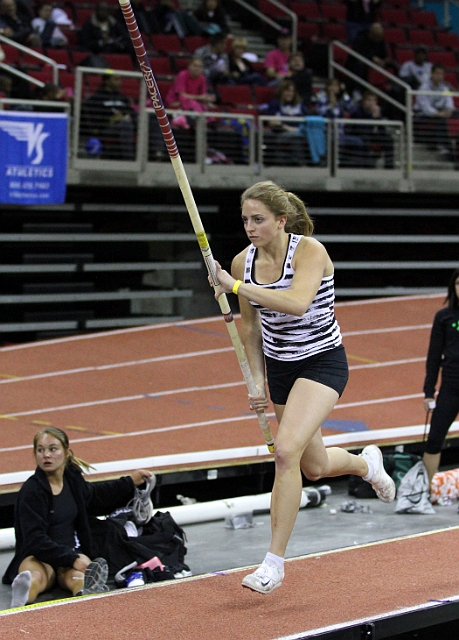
[(396, 465), (161, 537), (167, 539)]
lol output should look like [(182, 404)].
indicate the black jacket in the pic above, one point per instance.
[(32, 511), (443, 351)]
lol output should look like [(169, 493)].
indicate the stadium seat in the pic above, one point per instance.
[(264, 95), (81, 15), (426, 19), (394, 36), (235, 94), (161, 66), (336, 12), (446, 58), (308, 30), (121, 61), (334, 31), (448, 40), (12, 55), (61, 56), (308, 11), (395, 17), (422, 36), (191, 43), (165, 43)]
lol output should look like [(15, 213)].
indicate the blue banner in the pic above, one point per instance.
[(33, 157)]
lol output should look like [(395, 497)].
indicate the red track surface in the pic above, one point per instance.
[(320, 591), (178, 388)]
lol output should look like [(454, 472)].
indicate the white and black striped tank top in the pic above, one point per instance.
[(288, 337)]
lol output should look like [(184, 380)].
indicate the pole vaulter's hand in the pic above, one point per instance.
[(260, 401), (225, 279)]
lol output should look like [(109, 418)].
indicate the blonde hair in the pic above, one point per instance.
[(72, 460), (239, 42), (281, 203)]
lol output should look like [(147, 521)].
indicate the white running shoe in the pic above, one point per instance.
[(95, 577), (265, 579), (381, 481)]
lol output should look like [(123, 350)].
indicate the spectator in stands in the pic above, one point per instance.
[(16, 24), (109, 116), (432, 111), (215, 60), (61, 17), (190, 91), (415, 72), (55, 523), (301, 76), (172, 20), (212, 17), (145, 18), (378, 141), (370, 44), (241, 69), (335, 102), (44, 25), (52, 93), (360, 15), (276, 60), (6, 86), (289, 146), (101, 33)]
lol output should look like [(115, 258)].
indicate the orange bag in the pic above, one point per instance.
[(445, 484)]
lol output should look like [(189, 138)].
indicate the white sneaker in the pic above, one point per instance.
[(381, 481), (265, 579)]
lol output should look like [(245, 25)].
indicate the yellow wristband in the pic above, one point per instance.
[(236, 286)]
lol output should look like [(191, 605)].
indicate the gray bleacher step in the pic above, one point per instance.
[(94, 296), (58, 287), (75, 266), (98, 237), (56, 258), (57, 227), (73, 326), (76, 315)]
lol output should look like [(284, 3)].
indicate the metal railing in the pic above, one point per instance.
[(232, 148)]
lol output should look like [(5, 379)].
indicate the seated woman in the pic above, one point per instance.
[(241, 69), (289, 147), (54, 540)]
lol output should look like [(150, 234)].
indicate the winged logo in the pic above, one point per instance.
[(27, 132)]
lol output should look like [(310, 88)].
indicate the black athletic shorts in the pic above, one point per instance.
[(329, 368)]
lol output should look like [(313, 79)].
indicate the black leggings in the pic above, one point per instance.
[(444, 414)]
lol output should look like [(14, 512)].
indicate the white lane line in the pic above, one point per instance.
[(116, 365), (140, 396), (195, 457), (191, 425), (196, 354), (108, 334)]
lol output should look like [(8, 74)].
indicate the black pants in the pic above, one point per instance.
[(444, 414)]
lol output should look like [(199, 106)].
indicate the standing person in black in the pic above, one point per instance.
[(109, 116), (101, 33), (54, 538), (443, 354), (359, 15), (370, 44)]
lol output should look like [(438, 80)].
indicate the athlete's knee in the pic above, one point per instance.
[(285, 455), (314, 471)]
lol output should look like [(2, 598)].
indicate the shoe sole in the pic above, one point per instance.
[(381, 459), (253, 588), (95, 576)]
